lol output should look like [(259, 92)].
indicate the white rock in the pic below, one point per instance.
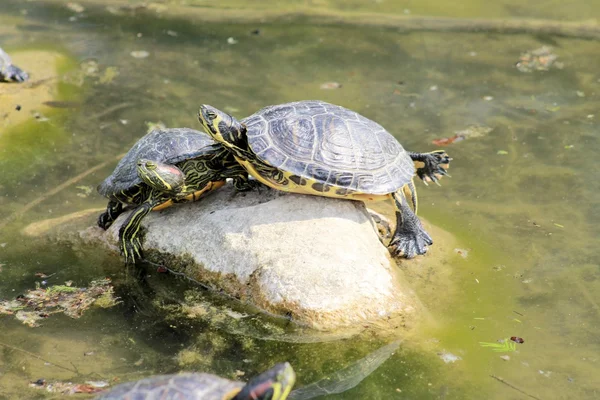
[(317, 259)]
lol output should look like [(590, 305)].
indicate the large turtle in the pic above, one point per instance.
[(273, 384), (317, 148), (10, 72), (165, 166)]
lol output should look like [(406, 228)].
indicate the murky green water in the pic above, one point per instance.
[(522, 199)]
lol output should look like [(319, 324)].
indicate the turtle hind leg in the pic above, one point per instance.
[(130, 240), (113, 210), (409, 239), (436, 164)]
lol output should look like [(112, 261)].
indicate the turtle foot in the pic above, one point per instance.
[(410, 244), (132, 252), (16, 74), (105, 221), (436, 164)]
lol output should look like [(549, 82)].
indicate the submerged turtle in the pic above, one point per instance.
[(273, 384), (165, 166), (10, 72), (317, 148)]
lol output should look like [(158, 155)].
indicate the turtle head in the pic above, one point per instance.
[(160, 176), (273, 384), (223, 127)]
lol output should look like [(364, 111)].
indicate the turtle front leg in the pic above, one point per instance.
[(436, 164), (409, 239), (130, 241), (241, 181), (113, 210)]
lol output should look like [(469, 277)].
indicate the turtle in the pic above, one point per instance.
[(10, 72), (165, 166), (317, 148), (273, 384)]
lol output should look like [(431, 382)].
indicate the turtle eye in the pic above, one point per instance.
[(211, 114), (150, 165)]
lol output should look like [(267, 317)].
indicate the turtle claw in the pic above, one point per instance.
[(410, 244), (435, 167), (132, 251), (16, 74), (104, 221)]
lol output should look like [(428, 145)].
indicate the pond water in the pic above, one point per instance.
[(522, 200)]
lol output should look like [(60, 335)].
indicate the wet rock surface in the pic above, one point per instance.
[(317, 260)]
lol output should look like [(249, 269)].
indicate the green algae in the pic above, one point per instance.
[(523, 275)]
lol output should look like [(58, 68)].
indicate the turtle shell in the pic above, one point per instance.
[(171, 146), (192, 386), (331, 145)]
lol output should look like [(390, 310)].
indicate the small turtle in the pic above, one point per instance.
[(10, 72), (313, 147), (165, 166), (273, 384)]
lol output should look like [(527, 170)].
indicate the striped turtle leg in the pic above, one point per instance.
[(232, 169), (130, 242), (240, 179), (113, 210), (409, 239), (436, 164)]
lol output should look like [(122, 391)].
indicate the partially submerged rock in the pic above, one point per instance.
[(315, 259)]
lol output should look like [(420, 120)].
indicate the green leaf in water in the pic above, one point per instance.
[(502, 152), (505, 346)]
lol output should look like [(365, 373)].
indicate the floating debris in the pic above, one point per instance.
[(85, 191), (448, 140), (501, 346), (109, 75), (517, 339), (98, 384), (448, 357), (330, 85), (172, 33), (72, 301), (541, 59), (231, 40), (488, 98), (470, 132), (502, 152), (462, 252), (89, 67), (505, 358), (66, 387), (75, 7), (139, 54)]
